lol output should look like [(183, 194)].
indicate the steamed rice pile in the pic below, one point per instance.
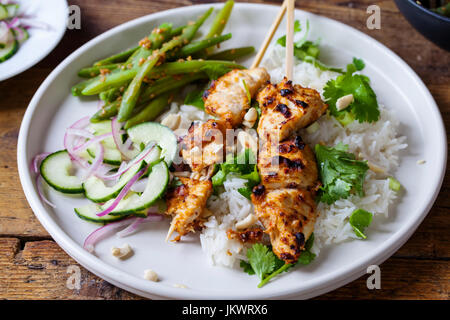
[(378, 143)]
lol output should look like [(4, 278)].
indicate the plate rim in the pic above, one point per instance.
[(134, 284), (49, 50)]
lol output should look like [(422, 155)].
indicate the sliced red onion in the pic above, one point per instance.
[(104, 231), (41, 193), (122, 193), (20, 35), (136, 160), (36, 162), (133, 227), (98, 160), (14, 23), (80, 133), (96, 139), (123, 148)]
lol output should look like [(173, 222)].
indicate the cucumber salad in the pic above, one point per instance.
[(14, 25)]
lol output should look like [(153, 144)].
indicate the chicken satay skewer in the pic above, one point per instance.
[(270, 35)]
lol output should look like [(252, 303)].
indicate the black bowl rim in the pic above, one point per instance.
[(429, 12)]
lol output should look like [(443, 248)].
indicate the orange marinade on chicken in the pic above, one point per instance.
[(287, 108), (284, 201), (288, 216), (203, 145), (227, 98), (186, 204), (292, 164)]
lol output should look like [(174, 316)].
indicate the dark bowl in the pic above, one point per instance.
[(433, 26)]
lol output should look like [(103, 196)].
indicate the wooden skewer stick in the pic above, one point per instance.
[(290, 39), (270, 35)]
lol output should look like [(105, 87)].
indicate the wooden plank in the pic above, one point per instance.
[(423, 258), (41, 270)]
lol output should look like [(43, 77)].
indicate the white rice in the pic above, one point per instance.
[(378, 143)]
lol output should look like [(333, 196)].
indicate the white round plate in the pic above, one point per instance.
[(54, 14), (53, 109)]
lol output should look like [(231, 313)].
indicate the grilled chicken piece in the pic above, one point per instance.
[(203, 146), (288, 216), (227, 98), (186, 204), (291, 164), (286, 108)]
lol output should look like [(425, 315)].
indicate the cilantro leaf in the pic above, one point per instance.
[(306, 50), (247, 267), (341, 174), (264, 263), (215, 71), (365, 105), (359, 220), (261, 259), (195, 98), (244, 166)]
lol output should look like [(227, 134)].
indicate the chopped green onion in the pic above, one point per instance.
[(249, 96), (394, 184)]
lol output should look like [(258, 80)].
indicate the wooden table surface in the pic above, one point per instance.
[(32, 266)]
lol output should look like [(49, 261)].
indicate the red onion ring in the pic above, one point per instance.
[(133, 227), (96, 139), (41, 193), (98, 160), (35, 163), (104, 231), (123, 148), (122, 193)]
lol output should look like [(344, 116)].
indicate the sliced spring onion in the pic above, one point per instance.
[(394, 184)]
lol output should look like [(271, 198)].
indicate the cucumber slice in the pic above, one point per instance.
[(9, 48), (89, 213), (112, 155), (152, 131), (8, 11), (134, 202), (97, 191), (56, 171), (12, 9), (25, 35)]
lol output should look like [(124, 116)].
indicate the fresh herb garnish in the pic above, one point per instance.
[(244, 167), (394, 184), (341, 174), (195, 98), (266, 265), (364, 108), (215, 71), (360, 220), (307, 51)]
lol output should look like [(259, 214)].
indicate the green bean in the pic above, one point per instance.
[(160, 86), (200, 45), (221, 20), (117, 79), (108, 111), (119, 57), (95, 71), (169, 83), (110, 95), (232, 54), (151, 111), (193, 66), (131, 95)]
